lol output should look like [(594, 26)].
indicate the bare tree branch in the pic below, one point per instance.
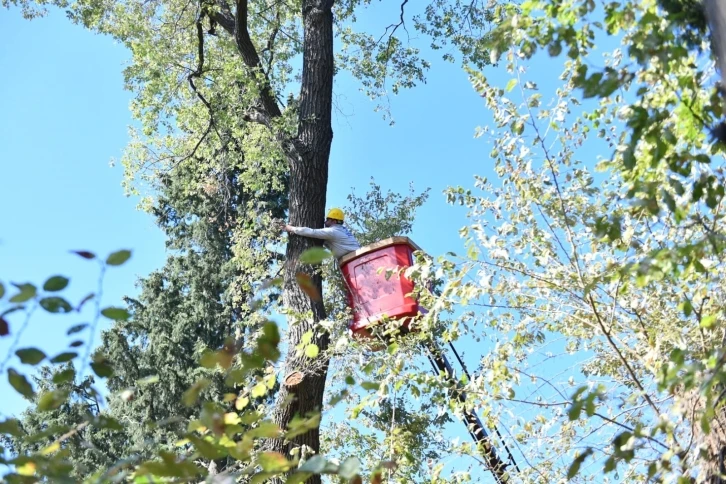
[(252, 59), (401, 23)]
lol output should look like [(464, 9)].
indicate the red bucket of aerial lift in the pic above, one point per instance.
[(372, 295)]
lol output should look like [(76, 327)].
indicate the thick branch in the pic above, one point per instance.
[(252, 59), (197, 73)]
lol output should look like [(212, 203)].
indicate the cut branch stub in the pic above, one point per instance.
[(293, 379)]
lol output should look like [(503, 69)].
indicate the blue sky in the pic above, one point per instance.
[(65, 116)]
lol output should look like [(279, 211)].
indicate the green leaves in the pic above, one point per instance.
[(349, 468), (27, 292), (315, 465), (259, 390), (370, 385), (148, 380), (76, 328), (575, 466), (55, 305), (191, 396), (312, 350), (308, 285), (116, 314), (20, 383), (52, 400), (102, 367), (30, 356), (315, 255), (64, 376), (268, 341), (55, 283), (11, 426), (118, 258), (264, 430), (64, 357), (273, 462)]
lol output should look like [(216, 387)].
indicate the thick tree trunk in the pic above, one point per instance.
[(308, 184), (307, 156), (712, 459)]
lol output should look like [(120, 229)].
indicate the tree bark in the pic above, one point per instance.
[(307, 155), (308, 184)]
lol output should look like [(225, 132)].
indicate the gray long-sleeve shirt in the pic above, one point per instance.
[(337, 238)]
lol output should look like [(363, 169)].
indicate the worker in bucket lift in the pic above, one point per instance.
[(337, 237)]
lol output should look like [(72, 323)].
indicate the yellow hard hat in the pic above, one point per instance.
[(335, 214)]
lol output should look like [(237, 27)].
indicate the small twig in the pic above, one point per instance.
[(16, 341), (622, 358), (94, 323), (70, 433)]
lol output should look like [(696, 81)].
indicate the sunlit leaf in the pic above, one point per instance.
[(148, 380), (315, 255), (298, 477), (300, 425), (273, 462), (27, 469), (118, 258), (370, 385), (27, 292), (231, 418), (117, 314), (311, 351), (259, 390), (241, 402), (205, 448), (264, 430), (52, 400), (270, 381), (54, 447)]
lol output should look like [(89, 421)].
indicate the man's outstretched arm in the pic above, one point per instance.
[(324, 233)]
